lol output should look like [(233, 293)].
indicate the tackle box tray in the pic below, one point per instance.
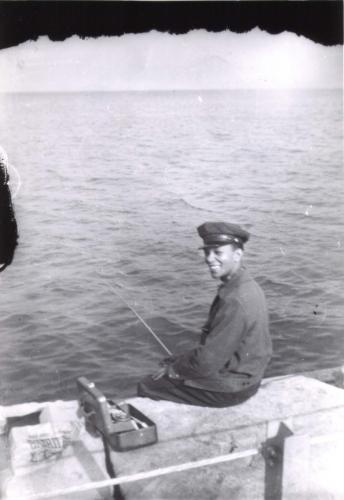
[(123, 441)]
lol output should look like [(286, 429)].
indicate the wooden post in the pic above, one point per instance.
[(273, 453)]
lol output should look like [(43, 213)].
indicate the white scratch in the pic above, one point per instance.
[(18, 183)]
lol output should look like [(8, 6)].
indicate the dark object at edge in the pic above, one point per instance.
[(8, 224)]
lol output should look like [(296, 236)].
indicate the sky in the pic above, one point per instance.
[(162, 61)]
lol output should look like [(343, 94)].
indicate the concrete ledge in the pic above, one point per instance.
[(187, 433), (81, 462), (312, 468), (190, 433), (278, 399)]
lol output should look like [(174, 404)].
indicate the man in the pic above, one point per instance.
[(235, 346)]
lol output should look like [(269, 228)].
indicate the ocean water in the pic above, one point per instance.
[(112, 187)]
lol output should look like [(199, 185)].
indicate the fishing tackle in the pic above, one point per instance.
[(142, 320), (121, 424)]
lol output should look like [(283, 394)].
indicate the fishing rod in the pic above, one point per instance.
[(141, 319)]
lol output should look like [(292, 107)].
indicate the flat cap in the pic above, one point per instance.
[(215, 234)]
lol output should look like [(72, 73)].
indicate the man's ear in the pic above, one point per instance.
[(238, 254)]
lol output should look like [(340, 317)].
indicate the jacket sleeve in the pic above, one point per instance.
[(227, 330)]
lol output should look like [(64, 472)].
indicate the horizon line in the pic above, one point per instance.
[(100, 91)]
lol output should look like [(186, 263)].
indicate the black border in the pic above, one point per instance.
[(320, 21)]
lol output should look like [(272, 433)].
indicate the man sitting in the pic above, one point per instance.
[(227, 366)]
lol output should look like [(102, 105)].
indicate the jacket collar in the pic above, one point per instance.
[(239, 277)]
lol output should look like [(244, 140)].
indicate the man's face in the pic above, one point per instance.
[(222, 261)]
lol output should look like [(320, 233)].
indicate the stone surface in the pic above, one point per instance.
[(186, 433), (312, 468), (326, 469), (83, 461), (189, 433), (276, 400)]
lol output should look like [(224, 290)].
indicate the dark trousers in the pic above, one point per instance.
[(177, 391)]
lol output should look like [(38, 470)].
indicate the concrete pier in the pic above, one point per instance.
[(305, 406), (287, 442)]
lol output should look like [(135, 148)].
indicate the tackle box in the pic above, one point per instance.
[(123, 426)]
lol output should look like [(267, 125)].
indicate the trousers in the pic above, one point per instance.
[(175, 390)]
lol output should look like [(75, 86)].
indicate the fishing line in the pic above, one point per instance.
[(141, 319)]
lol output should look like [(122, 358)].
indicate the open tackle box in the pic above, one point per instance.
[(123, 426)]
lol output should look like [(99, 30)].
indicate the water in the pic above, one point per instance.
[(113, 186)]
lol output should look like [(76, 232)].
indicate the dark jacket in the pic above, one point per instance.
[(235, 345)]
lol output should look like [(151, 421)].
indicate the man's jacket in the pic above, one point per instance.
[(235, 345)]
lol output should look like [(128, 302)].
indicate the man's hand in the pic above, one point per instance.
[(171, 373), (165, 370)]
